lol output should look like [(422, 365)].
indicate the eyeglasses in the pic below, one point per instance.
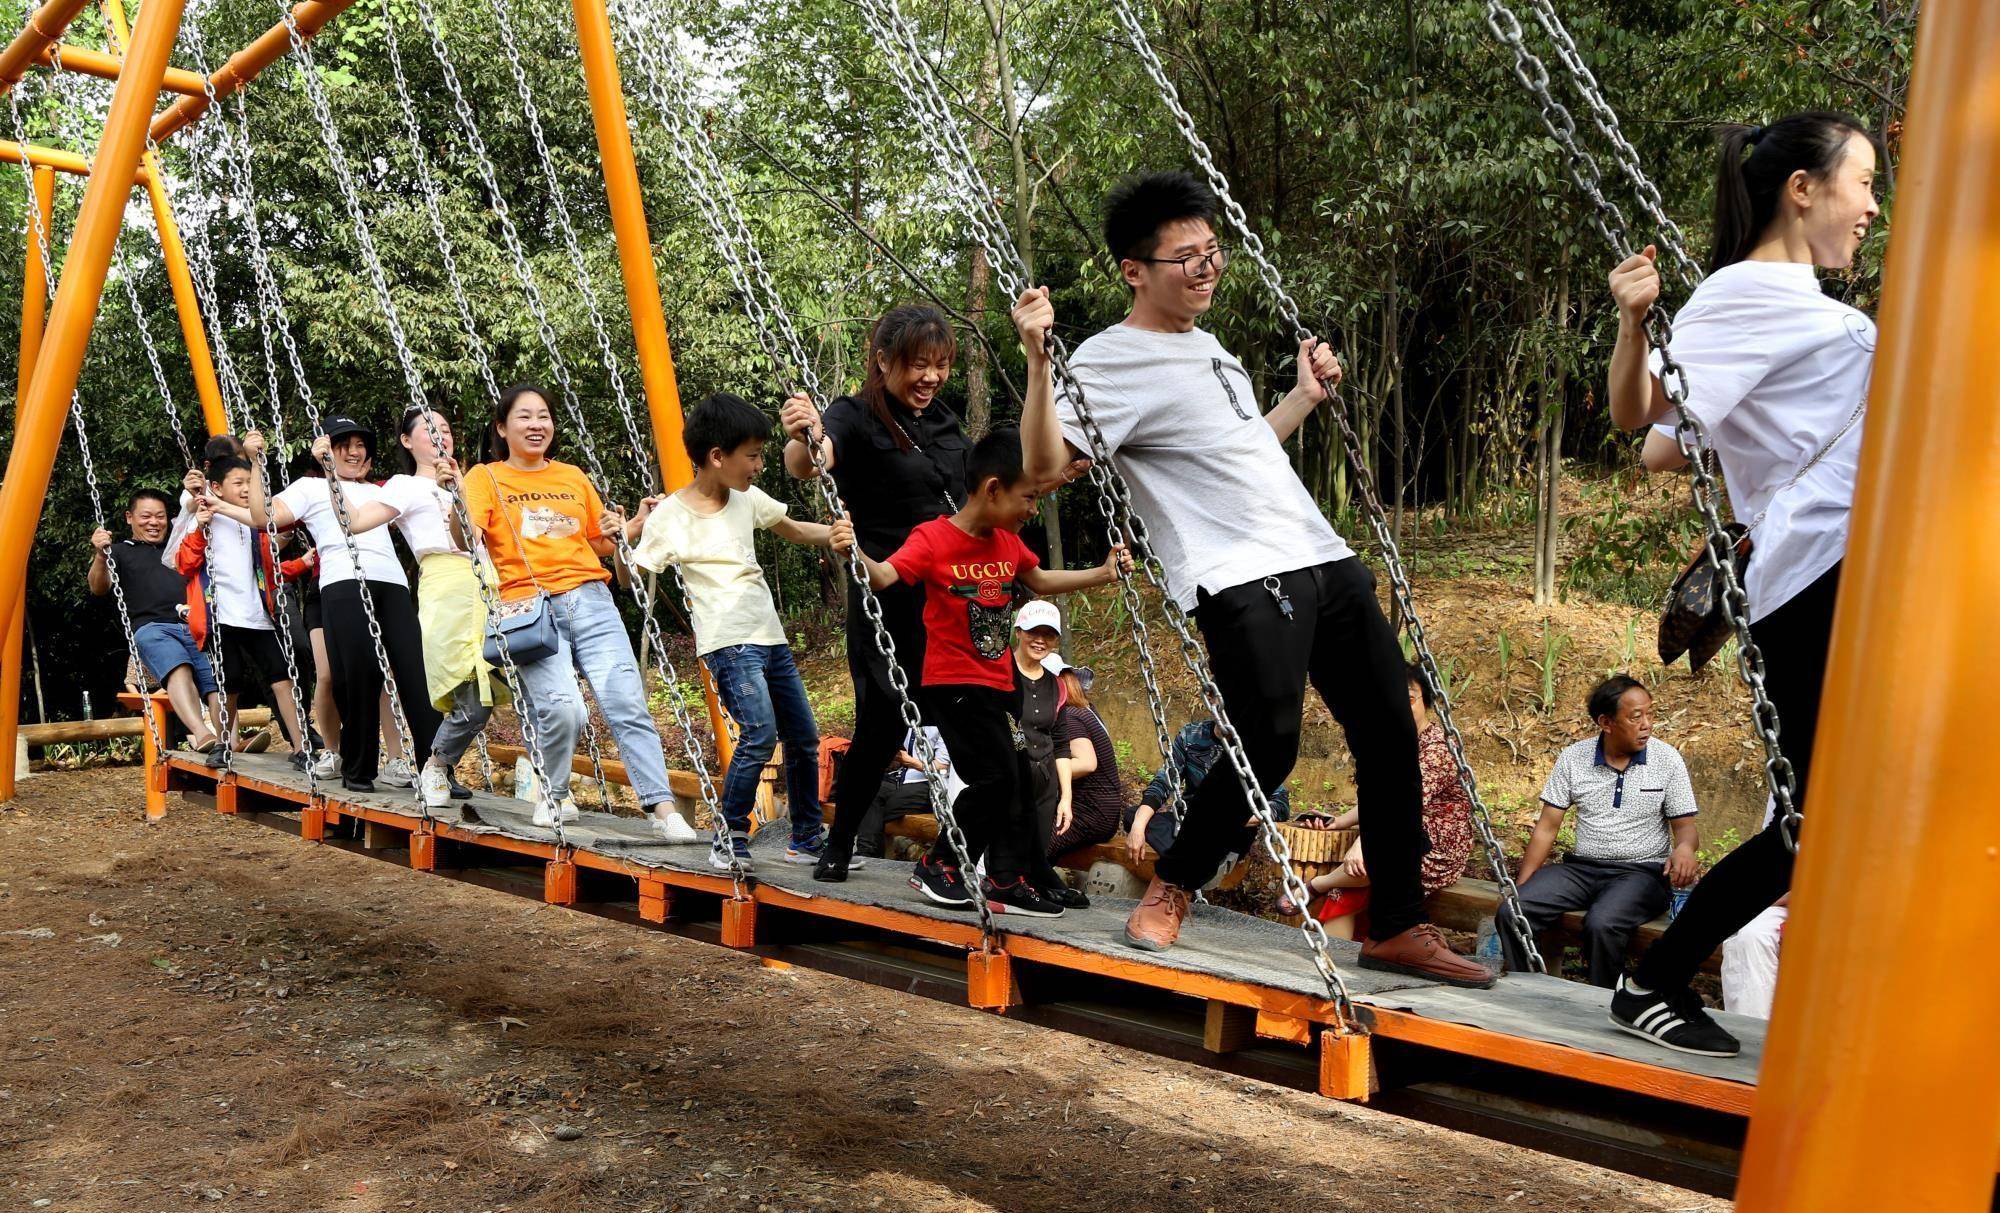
[(1195, 265)]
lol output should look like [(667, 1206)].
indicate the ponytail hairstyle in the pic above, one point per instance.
[(413, 417), (900, 336), (1757, 161), (494, 446)]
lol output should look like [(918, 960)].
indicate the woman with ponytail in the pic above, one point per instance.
[(1777, 374)]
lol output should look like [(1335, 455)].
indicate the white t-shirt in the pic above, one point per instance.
[(311, 502), (717, 554), (425, 513), (1209, 477), (1775, 370), (233, 577)]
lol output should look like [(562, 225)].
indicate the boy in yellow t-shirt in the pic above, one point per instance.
[(709, 529)]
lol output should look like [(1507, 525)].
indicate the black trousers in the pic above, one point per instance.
[(1615, 899), (893, 802), (878, 720), (1749, 880), (993, 809), (1338, 637), (357, 677)]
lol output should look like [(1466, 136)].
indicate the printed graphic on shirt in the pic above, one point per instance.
[(1222, 377), (546, 522), (989, 607)]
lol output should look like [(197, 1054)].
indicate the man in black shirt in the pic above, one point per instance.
[(156, 600)]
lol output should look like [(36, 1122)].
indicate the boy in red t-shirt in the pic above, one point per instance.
[(975, 570)]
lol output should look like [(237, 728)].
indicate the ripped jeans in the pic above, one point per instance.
[(594, 643)]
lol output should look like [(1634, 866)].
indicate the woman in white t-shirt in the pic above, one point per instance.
[(1777, 372), (357, 675)]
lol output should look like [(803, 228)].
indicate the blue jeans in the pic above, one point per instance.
[(592, 641), (166, 647), (761, 687)]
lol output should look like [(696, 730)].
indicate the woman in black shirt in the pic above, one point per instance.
[(898, 456)]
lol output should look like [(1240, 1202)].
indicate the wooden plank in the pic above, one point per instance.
[(1227, 1027)]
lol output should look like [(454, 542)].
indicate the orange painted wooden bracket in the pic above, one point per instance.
[(559, 881), (225, 794), (423, 849), (989, 981), (332, 817), (739, 923), (1273, 1026), (312, 823), (1346, 1065), (656, 900)]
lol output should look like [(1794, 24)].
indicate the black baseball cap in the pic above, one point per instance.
[(341, 427)]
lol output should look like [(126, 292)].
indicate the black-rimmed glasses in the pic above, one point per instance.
[(1195, 266)]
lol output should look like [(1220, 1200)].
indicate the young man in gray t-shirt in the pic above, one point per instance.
[(1278, 596)]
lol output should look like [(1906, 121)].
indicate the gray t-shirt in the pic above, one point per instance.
[(1209, 477), (1621, 816)]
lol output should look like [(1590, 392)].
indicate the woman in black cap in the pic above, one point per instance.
[(357, 675)]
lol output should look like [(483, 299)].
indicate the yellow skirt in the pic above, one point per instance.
[(453, 617)]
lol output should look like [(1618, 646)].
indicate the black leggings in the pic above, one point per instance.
[(1337, 636), (878, 720), (357, 676), (1794, 640)]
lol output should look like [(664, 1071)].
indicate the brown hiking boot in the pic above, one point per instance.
[(1422, 952), (1156, 921)]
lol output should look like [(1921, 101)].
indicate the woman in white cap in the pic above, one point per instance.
[(1037, 637)]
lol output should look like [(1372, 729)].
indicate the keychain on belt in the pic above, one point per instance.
[(1276, 589)]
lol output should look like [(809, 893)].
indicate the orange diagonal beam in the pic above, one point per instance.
[(245, 65), (44, 27)]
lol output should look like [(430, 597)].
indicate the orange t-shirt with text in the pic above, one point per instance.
[(543, 536)]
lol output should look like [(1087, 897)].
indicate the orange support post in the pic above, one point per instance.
[(656, 900), (1853, 1058), (158, 717), (86, 62), (739, 923), (44, 28), (39, 426), (34, 306), (559, 881), (642, 284), (245, 65), (174, 256), (1346, 1065), (423, 849), (225, 795), (989, 981)]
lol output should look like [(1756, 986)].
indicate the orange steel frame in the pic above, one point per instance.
[(1854, 1061)]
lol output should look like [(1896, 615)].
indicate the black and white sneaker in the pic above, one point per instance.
[(942, 883), (1677, 1020), (1020, 897)]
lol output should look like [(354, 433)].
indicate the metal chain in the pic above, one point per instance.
[(532, 292), (771, 321), (378, 280), (1689, 433), (40, 234), (955, 157), (1357, 456)]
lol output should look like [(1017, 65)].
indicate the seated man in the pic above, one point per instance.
[(1635, 832), (1194, 754), (156, 600), (904, 792)]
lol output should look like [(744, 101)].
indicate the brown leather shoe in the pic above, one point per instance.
[(1422, 952), (1156, 921)]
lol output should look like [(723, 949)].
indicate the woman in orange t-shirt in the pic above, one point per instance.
[(547, 531)]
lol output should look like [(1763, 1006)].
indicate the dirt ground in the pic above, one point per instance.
[(206, 1014)]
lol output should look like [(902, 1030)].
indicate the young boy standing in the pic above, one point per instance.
[(239, 565), (974, 570), (1278, 596), (709, 529)]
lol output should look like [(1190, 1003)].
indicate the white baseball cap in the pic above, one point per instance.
[(1056, 663), (1041, 613)]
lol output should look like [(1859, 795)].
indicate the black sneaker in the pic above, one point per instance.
[(299, 761), (356, 785), (940, 882), (831, 867), (1020, 897), (458, 790), (1064, 896), (1677, 1020)]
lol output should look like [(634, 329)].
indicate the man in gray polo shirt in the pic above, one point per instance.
[(1635, 832)]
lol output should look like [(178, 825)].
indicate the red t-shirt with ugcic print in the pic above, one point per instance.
[(970, 588)]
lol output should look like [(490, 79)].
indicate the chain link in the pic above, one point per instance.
[(960, 166), (1690, 434)]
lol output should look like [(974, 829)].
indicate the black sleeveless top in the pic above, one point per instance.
[(889, 490)]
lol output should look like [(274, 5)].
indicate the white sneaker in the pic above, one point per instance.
[(673, 828), (547, 820), (327, 765), (435, 787), (396, 773)]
